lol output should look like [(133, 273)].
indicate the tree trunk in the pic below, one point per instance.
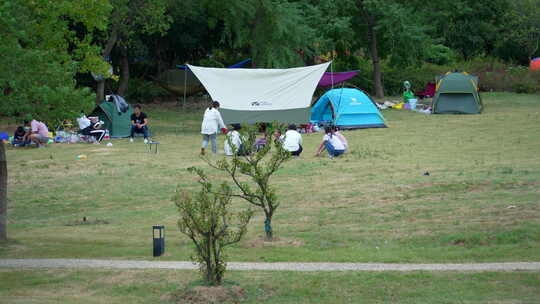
[(100, 89), (124, 78), (373, 50), (268, 228), (3, 193)]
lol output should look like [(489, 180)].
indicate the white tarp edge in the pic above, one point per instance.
[(261, 89)]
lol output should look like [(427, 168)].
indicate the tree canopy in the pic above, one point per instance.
[(50, 47)]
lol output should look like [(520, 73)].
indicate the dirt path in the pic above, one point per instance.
[(130, 264)]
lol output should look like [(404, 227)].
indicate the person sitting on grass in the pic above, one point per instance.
[(341, 137), (235, 139), (292, 140), (94, 129), (260, 142), (19, 137), (331, 143), (139, 123), (39, 133)]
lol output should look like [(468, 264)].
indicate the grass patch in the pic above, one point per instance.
[(168, 286), (479, 202)]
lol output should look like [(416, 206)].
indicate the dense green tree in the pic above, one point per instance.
[(469, 27), (524, 25), (129, 20), (274, 32), (41, 53), (391, 30)]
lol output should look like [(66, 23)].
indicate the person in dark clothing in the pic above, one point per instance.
[(19, 138), (139, 123), (94, 129)]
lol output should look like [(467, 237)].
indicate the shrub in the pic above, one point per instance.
[(208, 222)]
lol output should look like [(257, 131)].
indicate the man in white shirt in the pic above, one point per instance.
[(292, 141)]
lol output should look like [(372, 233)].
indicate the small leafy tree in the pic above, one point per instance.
[(256, 166), (206, 219)]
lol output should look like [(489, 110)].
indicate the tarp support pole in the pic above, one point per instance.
[(185, 84)]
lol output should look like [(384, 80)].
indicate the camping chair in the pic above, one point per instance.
[(429, 91)]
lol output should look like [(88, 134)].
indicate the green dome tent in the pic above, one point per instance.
[(117, 122), (457, 93)]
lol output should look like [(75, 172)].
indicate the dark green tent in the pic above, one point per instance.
[(457, 93), (118, 123)]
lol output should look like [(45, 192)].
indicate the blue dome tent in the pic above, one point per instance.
[(348, 109)]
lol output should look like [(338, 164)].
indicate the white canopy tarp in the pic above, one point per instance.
[(262, 95)]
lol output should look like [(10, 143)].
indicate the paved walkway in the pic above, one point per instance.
[(123, 264)]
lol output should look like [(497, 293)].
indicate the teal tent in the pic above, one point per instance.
[(348, 109), (117, 122)]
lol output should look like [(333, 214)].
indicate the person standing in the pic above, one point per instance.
[(139, 123), (39, 133), (292, 141), (210, 126), (331, 143)]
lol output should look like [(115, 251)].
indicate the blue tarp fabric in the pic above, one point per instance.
[(234, 66), (348, 109)]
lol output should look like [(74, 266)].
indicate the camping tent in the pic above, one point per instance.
[(348, 109), (118, 123), (457, 93), (262, 95)]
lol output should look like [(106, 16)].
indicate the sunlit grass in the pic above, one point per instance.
[(480, 201)]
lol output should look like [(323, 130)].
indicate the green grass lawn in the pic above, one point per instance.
[(480, 203), (155, 286)]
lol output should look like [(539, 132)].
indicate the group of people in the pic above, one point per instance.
[(32, 131), (37, 132), (333, 141)]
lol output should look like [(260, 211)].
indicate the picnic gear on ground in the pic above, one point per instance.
[(118, 123), (347, 109), (428, 92), (457, 93), (262, 95)]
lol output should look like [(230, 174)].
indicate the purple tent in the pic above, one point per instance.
[(330, 78)]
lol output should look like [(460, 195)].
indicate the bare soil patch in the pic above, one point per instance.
[(207, 295)]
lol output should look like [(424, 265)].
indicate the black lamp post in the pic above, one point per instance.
[(158, 234)]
